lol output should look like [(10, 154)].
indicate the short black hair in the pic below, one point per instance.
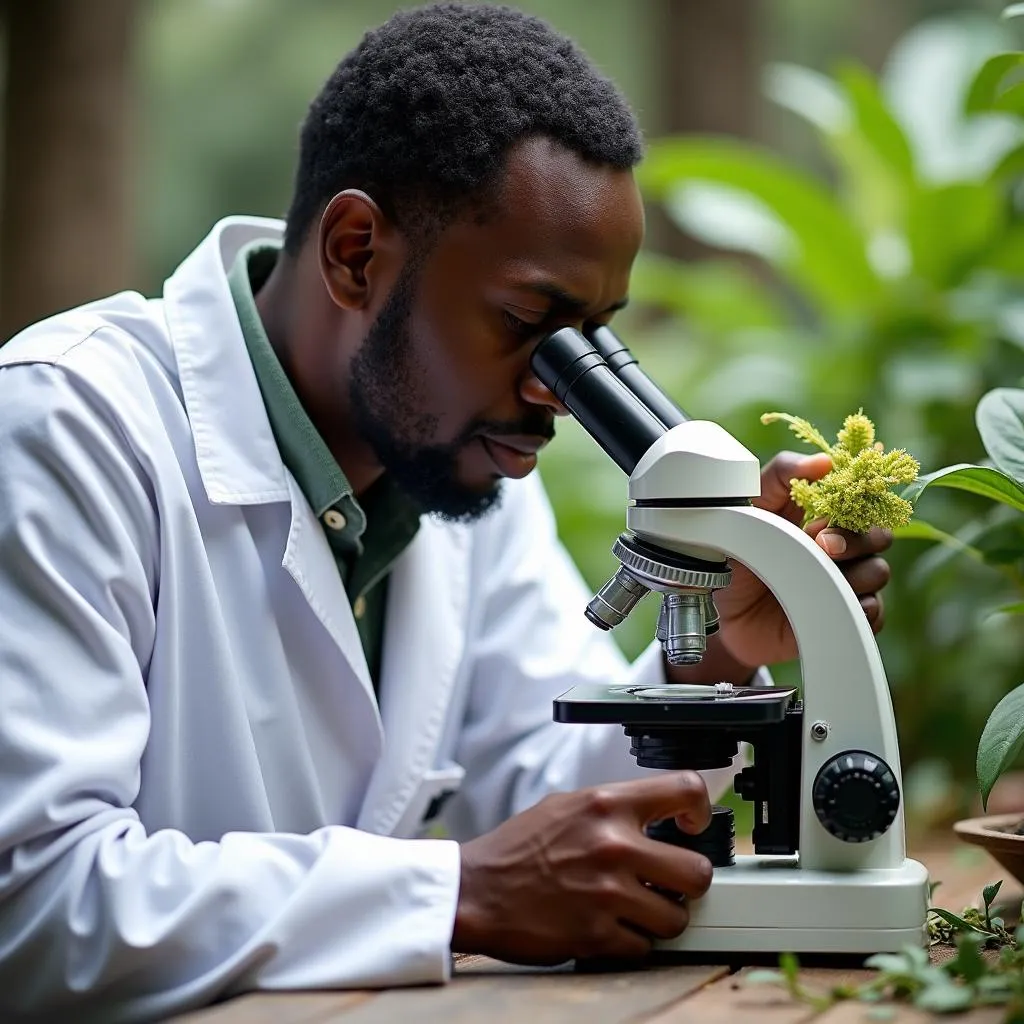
[(422, 113)]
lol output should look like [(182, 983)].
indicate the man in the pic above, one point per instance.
[(275, 577)]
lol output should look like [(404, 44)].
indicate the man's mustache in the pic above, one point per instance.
[(529, 426)]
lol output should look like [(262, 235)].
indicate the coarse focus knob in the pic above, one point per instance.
[(856, 796)]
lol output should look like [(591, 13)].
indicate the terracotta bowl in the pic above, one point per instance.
[(995, 835)]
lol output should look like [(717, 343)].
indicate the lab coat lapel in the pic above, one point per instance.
[(235, 447), (309, 561), (424, 646)]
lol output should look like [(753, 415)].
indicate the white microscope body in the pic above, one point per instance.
[(689, 494), (829, 872)]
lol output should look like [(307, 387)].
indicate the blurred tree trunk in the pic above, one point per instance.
[(709, 80), (65, 198)]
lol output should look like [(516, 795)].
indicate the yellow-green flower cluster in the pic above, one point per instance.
[(855, 493)]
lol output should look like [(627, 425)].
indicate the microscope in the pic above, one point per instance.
[(829, 871)]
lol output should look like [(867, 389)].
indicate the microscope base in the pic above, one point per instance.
[(772, 905)]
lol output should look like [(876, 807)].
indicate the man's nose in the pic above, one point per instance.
[(536, 393)]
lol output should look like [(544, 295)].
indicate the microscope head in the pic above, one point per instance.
[(670, 460)]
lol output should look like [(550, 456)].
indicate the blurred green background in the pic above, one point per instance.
[(829, 229)]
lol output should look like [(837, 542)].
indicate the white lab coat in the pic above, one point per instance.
[(198, 792)]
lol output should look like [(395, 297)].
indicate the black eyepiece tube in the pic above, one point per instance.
[(582, 381), (628, 370)]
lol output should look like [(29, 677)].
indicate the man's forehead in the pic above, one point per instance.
[(552, 204), (542, 176)]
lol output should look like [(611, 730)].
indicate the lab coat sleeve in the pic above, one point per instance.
[(100, 919), (532, 643)]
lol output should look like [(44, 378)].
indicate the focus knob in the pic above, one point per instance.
[(856, 796)]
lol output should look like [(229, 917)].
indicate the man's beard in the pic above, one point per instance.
[(384, 391)]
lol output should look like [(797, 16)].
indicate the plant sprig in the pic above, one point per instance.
[(967, 980), (855, 494)]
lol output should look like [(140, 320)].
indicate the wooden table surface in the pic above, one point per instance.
[(486, 990)]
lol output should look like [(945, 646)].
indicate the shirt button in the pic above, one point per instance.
[(359, 607), (334, 519)]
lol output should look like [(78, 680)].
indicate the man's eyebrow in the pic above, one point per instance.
[(562, 303)]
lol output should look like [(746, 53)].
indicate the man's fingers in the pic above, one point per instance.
[(776, 475), (874, 609), (681, 795), (843, 545), (867, 576), (657, 915), (674, 869)]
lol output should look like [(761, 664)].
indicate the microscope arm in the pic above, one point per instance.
[(844, 683)]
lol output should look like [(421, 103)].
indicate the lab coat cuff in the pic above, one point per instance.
[(439, 874)]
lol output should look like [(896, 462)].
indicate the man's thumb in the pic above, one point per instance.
[(775, 477)]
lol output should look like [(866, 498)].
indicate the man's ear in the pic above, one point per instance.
[(356, 244)]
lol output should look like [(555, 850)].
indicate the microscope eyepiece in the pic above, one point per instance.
[(608, 410), (626, 367)]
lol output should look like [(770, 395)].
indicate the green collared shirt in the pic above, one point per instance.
[(365, 536)]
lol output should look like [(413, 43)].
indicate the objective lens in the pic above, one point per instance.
[(685, 636), (615, 600)]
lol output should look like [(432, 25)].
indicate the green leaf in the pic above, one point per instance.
[(919, 529), (1010, 165), (890, 963), (1011, 101), (989, 483), (716, 295), (983, 93), (943, 998), (828, 258), (1010, 609), (968, 962), (790, 967), (1000, 419), (1002, 543), (865, 139), (876, 122), (1013, 11), (950, 226), (917, 955), (989, 893), (1001, 741), (878, 175), (950, 918), (808, 94), (1006, 254)]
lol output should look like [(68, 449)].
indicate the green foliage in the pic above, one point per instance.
[(972, 978), (1000, 418), (823, 250), (1001, 741), (855, 493), (890, 282)]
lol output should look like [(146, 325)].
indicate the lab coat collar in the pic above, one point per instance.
[(238, 458)]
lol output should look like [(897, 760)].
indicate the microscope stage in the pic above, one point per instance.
[(674, 703)]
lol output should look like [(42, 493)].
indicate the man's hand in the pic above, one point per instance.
[(575, 875), (754, 629)]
